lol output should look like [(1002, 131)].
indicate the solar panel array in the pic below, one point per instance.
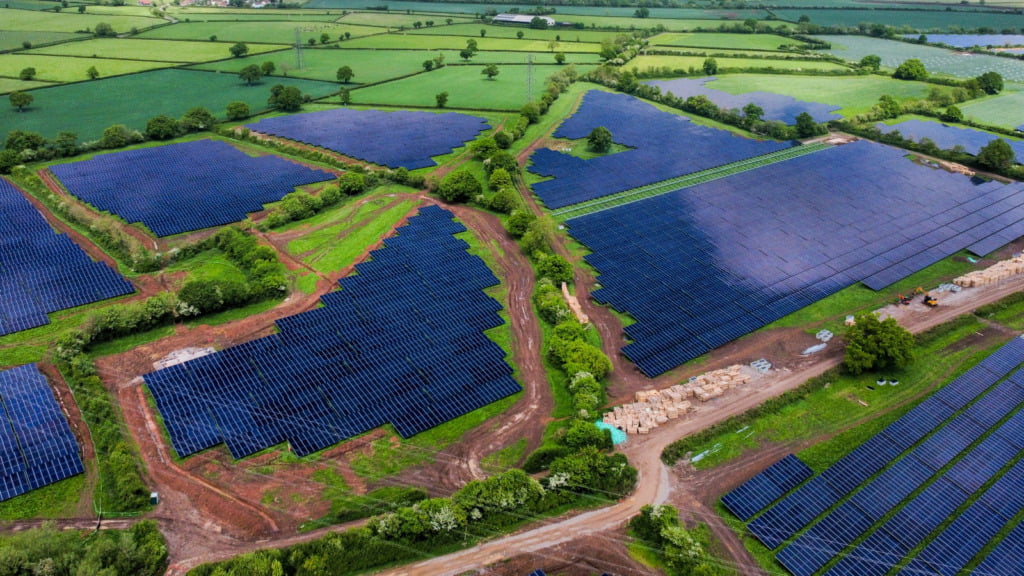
[(971, 40), (940, 461), (776, 106), (183, 187), (664, 146), (757, 493), (42, 271), (37, 447), (946, 137), (402, 342), (701, 266), (394, 139)]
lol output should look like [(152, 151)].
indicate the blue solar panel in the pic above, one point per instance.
[(183, 187), (761, 490), (776, 107), (814, 548), (946, 137), (43, 272), (874, 557), (1007, 558), (37, 447), (664, 146), (394, 139), (701, 266), (402, 342), (787, 517)]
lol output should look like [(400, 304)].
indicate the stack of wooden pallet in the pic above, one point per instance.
[(998, 271)]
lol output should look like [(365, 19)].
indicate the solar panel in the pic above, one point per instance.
[(186, 186), (42, 271), (37, 447), (754, 495), (776, 107), (402, 343)]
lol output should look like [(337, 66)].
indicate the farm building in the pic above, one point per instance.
[(523, 19)]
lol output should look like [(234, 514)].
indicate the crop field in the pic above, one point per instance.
[(10, 85), (62, 69), (427, 42), (200, 14), (686, 62), (257, 31), (372, 66), (10, 39), (936, 60), (394, 20), (496, 31), (88, 109), (72, 22), (769, 42), (398, 6), (1006, 109), (670, 24), (152, 50), (926, 21), (854, 94), (466, 87)]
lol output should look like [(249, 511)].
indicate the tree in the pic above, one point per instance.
[(92, 73), (268, 68), (752, 113), (439, 60), (483, 31), (428, 65), (499, 179), (560, 57), (197, 119), (345, 74), (952, 114), (161, 128), (997, 155), (531, 112), (990, 82), (643, 12), (466, 54), (346, 97), (448, 21), (251, 74), (20, 100), (27, 73), (912, 69), (871, 62), (520, 34), (115, 136), (417, 24), (104, 30), (873, 344), (806, 126), (519, 221), (501, 159), (285, 98), (81, 9), (441, 99), (491, 70), (471, 45), (538, 23), (600, 139), (238, 110), (556, 268), (459, 186), (582, 433), (710, 66), (324, 38), (21, 140), (888, 107), (502, 139), (239, 49), (66, 143), (352, 183)]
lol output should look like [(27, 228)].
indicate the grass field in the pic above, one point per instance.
[(89, 107), (497, 31), (1006, 109), (670, 24), (378, 65), (201, 14), (856, 94), (10, 85), (716, 40), (685, 62), (257, 31), (936, 60), (934, 20), (13, 39), (71, 21), (428, 42), (622, 12), (389, 20), (63, 69), (153, 50), (466, 87)]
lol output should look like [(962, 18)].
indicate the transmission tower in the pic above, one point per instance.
[(298, 49), (529, 78)]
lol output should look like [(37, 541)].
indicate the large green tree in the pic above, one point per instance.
[(285, 98), (239, 49), (20, 100), (600, 139), (871, 62), (238, 110), (459, 186), (251, 74), (912, 69), (345, 74), (162, 127), (873, 344), (997, 155), (990, 82), (197, 119), (710, 66), (27, 73), (491, 70)]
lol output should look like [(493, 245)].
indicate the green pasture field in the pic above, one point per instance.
[(12, 39), (855, 94), (200, 14), (63, 69), (926, 21), (394, 20), (179, 51), (935, 60), (11, 84), (87, 108), (118, 10), (410, 41), (495, 31), (670, 24), (1005, 109), (399, 6), (30, 4), (466, 87), (71, 21), (257, 31), (372, 66), (769, 42), (685, 62)]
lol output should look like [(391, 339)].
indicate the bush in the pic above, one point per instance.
[(499, 179), (459, 186), (505, 201), (519, 221), (583, 434), (352, 183), (554, 267), (502, 139), (542, 457)]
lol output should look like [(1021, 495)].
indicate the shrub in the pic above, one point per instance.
[(459, 186)]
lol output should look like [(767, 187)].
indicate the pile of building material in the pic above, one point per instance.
[(655, 407), (995, 273)]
